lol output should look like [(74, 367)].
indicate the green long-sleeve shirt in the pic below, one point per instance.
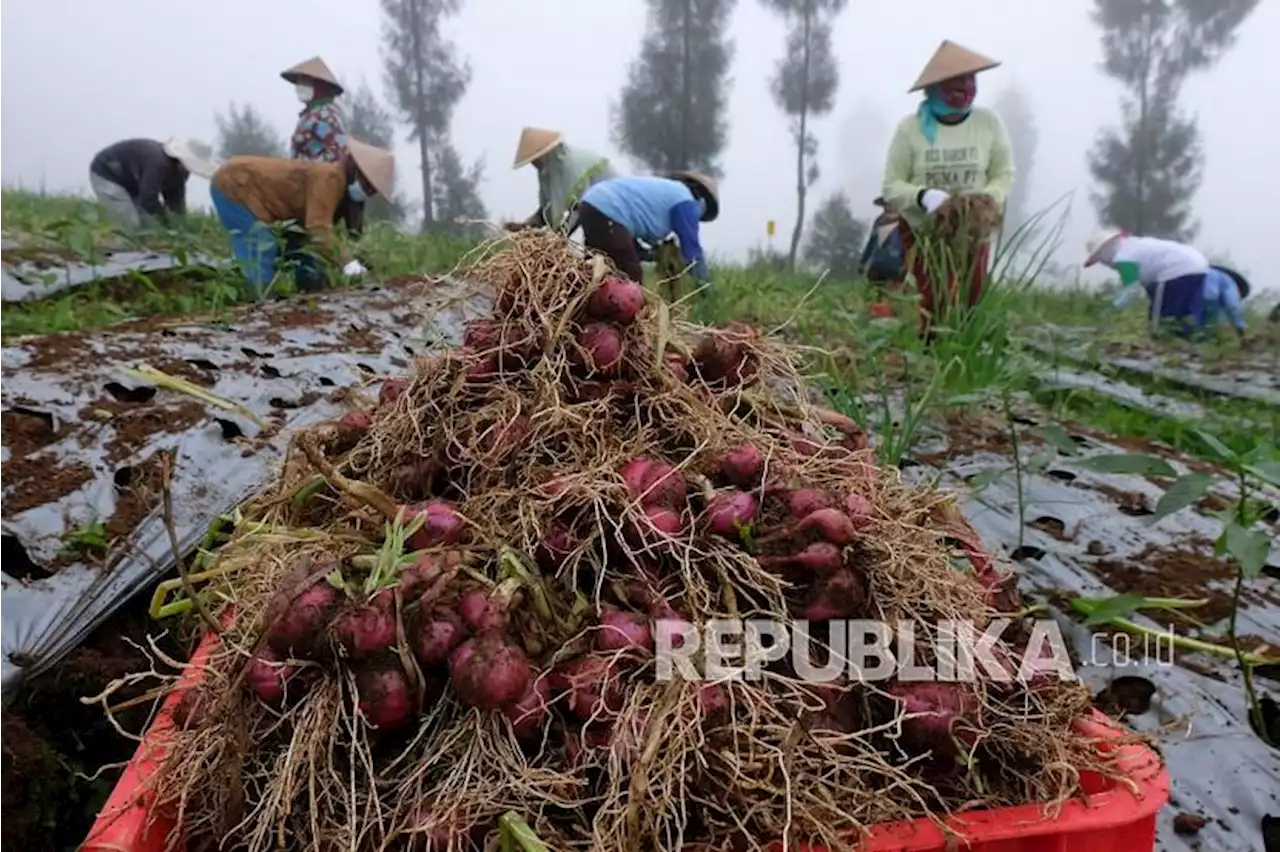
[(972, 156)]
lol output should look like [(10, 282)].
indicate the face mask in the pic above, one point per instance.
[(702, 208), (356, 191), (306, 93)]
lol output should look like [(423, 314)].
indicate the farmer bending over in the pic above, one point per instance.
[(252, 194), (947, 146), (615, 213), (564, 173), (131, 178), (1178, 280), (321, 134)]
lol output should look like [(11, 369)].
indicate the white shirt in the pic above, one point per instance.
[(1159, 260)]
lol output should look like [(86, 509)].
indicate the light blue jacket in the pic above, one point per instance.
[(1222, 294), (651, 208)]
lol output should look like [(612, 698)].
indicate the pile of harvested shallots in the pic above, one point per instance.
[(452, 603)]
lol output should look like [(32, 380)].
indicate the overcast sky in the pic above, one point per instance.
[(80, 74)]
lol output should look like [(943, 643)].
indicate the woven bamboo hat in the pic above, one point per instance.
[(534, 142), (314, 69), (951, 60), (703, 186), (376, 164)]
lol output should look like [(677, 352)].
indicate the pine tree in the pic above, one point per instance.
[(244, 132), (804, 86), (1149, 169), (671, 113), (369, 121), (458, 208), (836, 238), (425, 77)]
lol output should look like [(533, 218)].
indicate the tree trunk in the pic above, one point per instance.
[(686, 87), (801, 139), (420, 124), (1140, 154)]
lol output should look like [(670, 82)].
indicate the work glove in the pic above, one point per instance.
[(932, 199), (354, 269)]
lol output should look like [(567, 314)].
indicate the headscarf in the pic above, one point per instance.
[(949, 99)]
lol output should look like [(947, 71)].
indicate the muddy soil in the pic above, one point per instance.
[(1188, 571), (52, 741)]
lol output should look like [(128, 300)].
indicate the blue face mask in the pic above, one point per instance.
[(356, 191), (933, 107)]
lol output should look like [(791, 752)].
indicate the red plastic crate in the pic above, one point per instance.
[(1109, 818)]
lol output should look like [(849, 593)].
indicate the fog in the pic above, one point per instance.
[(80, 74)]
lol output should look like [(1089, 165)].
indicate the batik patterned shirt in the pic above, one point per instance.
[(321, 135)]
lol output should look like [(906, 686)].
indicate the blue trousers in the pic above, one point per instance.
[(256, 251), (1180, 299)]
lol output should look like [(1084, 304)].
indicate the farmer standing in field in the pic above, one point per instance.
[(139, 181), (253, 194), (1179, 281), (321, 133), (947, 147), (615, 213), (564, 173)]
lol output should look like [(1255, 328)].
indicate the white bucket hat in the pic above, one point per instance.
[(195, 155), (1100, 242)]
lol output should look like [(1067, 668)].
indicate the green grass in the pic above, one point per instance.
[(68, 227), (878, 370)]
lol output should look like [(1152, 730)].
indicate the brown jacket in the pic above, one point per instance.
[(275, 190)]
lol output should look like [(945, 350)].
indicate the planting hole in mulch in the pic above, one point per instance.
[(1270, 833), (1129, 503), (1188, 824), (18, 564), (270, 372), (1099, 548), (26, 430), (140, 394), (1050, 526), (1061, 475), (230, 429), (1270, 710), (1027, 551), (254, 353), (1129, 695)]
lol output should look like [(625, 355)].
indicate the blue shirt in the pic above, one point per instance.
[(1222, 294), (651, 208)]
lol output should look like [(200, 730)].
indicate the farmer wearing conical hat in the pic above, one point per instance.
[(140, 180), (946, 148), (254, 194), (1180, 283), (564, 173), (615, 213), (321, 133)]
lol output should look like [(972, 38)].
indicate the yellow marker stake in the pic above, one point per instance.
[(770, 227)]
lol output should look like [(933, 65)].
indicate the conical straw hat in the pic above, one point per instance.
[(534, 142), (952, 60), (701, 185), (313, 68), (376, 164)]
